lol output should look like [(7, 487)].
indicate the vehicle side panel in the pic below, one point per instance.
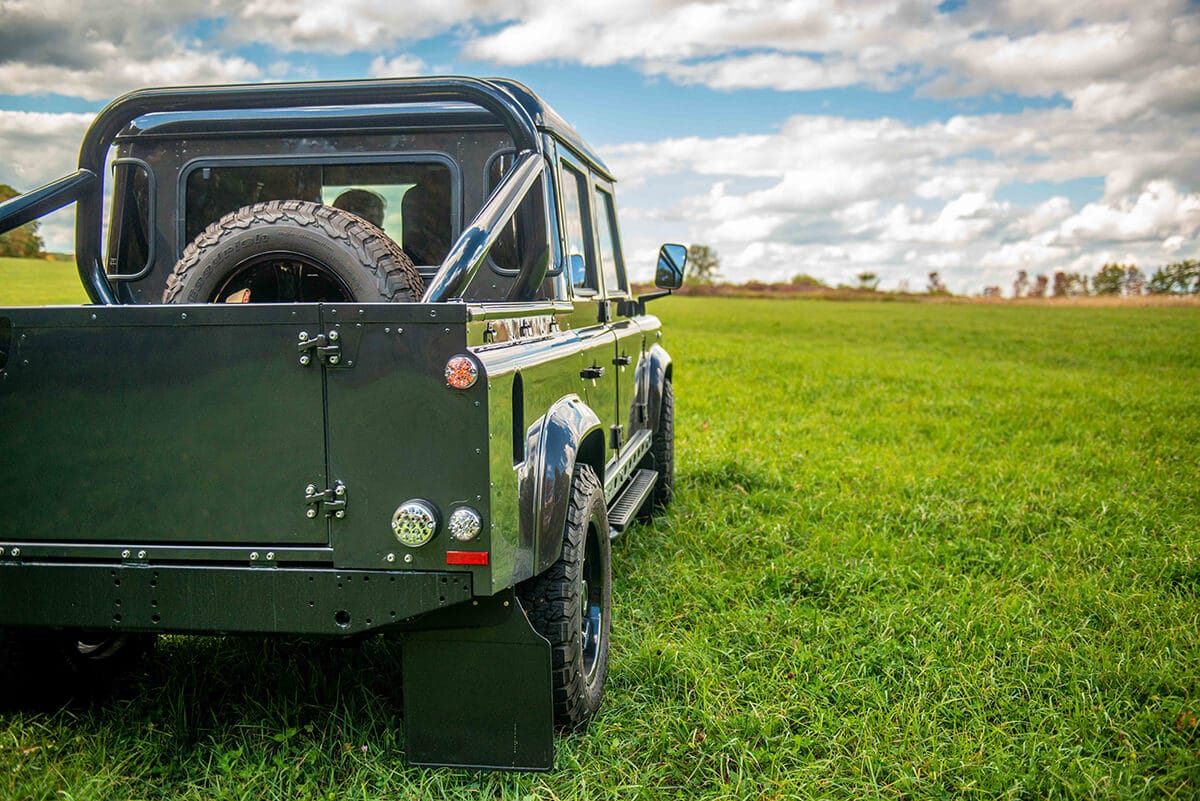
[(535, 440)]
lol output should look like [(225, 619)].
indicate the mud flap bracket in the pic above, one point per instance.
[(477, 691)]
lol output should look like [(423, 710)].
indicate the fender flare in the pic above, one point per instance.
[(654, 370), (568, 434)]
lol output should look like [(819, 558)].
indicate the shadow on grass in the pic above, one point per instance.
[(202, 710)]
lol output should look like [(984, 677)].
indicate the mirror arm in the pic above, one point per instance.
[(637, 306)]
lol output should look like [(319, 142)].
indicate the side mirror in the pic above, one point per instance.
[(671, 261), (577, 269)]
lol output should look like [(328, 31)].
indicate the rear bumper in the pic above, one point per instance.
[(219, 599)]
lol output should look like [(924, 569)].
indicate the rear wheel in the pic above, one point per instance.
[(38, 665), (291, 251), (661, 457), (570, 605)]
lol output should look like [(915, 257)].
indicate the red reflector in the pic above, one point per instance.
[(466, 557)]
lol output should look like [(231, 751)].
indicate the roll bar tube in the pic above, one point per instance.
[(468, 253), (125, 109), (39, 202)]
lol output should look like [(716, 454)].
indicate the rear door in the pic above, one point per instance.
[(161, 424), (616, 288), (598, 385)]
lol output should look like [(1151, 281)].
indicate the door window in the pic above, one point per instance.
[(577, 224), (611, 262)]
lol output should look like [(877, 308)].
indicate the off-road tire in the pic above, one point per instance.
[(40, 666), (662, 451), (359, 256), (554, 602)]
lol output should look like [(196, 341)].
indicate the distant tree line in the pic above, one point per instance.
[(23, 242), (1177, 278)]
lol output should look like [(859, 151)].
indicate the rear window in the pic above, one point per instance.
[(409, 201)]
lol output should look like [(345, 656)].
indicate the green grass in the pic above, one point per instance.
[(917, 551), (34, 282)]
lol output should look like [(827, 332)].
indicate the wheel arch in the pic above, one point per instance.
[(659, 370), (569, 433)]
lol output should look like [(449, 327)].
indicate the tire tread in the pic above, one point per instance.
[(392, 272)]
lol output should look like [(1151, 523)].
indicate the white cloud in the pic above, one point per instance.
[(960, 222), (1159, 212), (398, 66), (842, 196), (39, 147), (120, 75), (346, 26), (766, 71)]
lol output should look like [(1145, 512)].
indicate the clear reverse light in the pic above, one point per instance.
[(464, 524), (414, 523)]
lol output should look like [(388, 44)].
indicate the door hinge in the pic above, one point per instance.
[(614, 437), (326, 347), (330, 501)]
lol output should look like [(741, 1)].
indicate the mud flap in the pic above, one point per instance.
[(477, 690)]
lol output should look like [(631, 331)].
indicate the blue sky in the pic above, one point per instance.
[(794, 137)]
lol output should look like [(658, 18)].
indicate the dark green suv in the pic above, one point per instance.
[(362, 357)]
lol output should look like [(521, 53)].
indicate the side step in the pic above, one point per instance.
[(630, 502)]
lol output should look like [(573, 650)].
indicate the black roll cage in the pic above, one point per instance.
[(86, 185)]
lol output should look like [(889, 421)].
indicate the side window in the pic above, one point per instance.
[(506, 253), (129, 245), (611, 262), (577, 224), (523, 238)]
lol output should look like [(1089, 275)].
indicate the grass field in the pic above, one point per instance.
[(33, 282), (917, 551)]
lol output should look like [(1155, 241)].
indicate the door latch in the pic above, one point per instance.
[(325, 347), (332, 501)]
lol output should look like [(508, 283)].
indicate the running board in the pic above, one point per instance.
[(630, 502)]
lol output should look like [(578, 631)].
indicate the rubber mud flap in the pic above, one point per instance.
[(478, 695)]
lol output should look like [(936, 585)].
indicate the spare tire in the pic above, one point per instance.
[(292, 251)]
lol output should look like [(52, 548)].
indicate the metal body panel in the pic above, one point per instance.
[(522, 434), (596, 354), (398, 432), (629, 345), (246, 600), (160, 425)]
